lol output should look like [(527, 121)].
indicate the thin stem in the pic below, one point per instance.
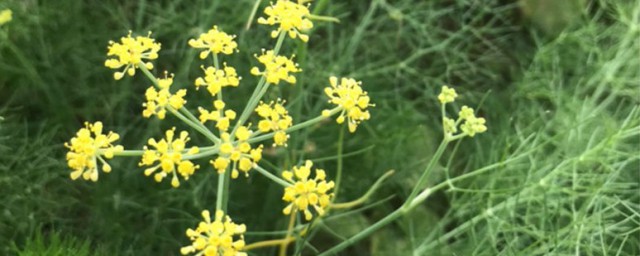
[(220, 194), (191, 120), (364, 197), (129, 153), (268, 243), (283, 246), (197, 126), (364, 233), (427, 170), (258, 92), (271, 176), (254, 10), (339, 162), (296, 127)]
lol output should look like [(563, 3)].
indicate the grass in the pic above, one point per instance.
[(561, 105)]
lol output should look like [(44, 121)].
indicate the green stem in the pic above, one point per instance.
[(225, 195), (129, 153), (258, 92), (296, 127), (271, 176), (336, 189), (221, 192), (254, 10), (364, 197), (191, 120), (364, 233), (425, 174), (198, 126)]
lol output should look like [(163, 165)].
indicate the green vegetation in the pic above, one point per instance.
[(561, 99)]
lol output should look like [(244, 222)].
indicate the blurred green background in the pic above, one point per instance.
[(557, 81)]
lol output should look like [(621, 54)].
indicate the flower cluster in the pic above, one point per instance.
[(159, 100), (305, 192), (472, 125), (351, 99), (275, 118), (214, 41), (5, 16), (447, 95), (131, 53), (221, 237), (238, 153), (219, 115), (276, 68), (231, 151), (214, 79), (292, 17), (168, 153), (87, 148)]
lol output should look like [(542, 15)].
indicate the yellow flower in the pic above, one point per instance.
[(169, 155), (305, 192), (157, 101), (5, 16), (221, 237), (449, 125), (131, 53), (292, 17), (214, 79), (86, 149), (350, 97), (214, 41), (275, 118), (238, 153), (276, 68), (447, 95), (219, 115), (472, 124)]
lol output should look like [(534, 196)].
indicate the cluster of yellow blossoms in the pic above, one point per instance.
[(275, 118), (219, 115), (157, 101), (472, 124), (214, 41), (221, 237), (231, 152), (352, 100), (6, 15), (276, 68), (214, 79), (293, 18), (238, 153), (169, 153), (87, 148), (305, 192), (131, 53)]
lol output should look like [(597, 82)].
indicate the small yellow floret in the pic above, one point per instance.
[(220, 237), (87, 148), (447, 95), (305, 192), (275, 118), (214, 41), (6, 15), (238, 153), (158, 101), (350, 97), (130, 53), (219, 115), (169, 154), (293, 18), (214, 79), (276, 68)]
